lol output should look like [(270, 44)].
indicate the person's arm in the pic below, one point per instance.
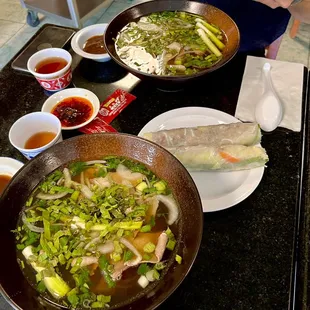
[(300, 11)]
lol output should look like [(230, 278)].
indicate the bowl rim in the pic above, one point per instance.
[(171, 77), (73, 92), (75, 46), (131, 136)]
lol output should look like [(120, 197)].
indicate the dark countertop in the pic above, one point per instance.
[(247, 252)]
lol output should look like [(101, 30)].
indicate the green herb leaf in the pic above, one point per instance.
[(74, 300), (128, 255), (152, 221), (145, 228), (101, 172), (41, 288), (77, 167), (104, 266), (171, 245), (160, 266), (178, 259), (143, 269)]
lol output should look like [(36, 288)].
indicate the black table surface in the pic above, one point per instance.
[(247, 258)]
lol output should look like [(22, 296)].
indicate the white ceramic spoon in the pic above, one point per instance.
[(269, 109)]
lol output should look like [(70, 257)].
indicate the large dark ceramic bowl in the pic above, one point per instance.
[(211, 13), (14, 285)]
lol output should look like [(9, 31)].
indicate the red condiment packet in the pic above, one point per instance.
[(109, 109), (97, 126)]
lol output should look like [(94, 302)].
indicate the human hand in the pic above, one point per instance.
[(276, 3)]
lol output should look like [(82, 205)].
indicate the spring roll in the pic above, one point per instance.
[(220, 158), (224, 134)]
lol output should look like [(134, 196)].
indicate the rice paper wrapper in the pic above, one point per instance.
[(220, 158), (224, 134)]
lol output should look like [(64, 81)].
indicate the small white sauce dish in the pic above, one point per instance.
[(9, 166), (53, 100), (79, 39)]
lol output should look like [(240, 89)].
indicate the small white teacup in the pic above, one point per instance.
[(54, 81), (31, 124)]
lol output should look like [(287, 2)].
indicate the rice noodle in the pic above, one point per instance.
[(147, 182), (82, 178), (60, 181), (87, 182), (84, 189), (31, 226), (51, 196)]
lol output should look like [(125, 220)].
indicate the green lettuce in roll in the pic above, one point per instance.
[(223, 158)]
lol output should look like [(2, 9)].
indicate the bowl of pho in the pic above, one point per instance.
[(172, 40), (99, 221)]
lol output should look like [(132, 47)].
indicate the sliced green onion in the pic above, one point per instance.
[(75, 195), (61, 259), (141, 186), (212, 37), (73, 300), (56, 286), (178, 259), (171, 245), (146, 228), (160, 266), (143, 281), (150, 275), (146, 257), (116, 257), (207, 25), (104, 266), (160, 185), (149, 247), (209, 43), (47, 232), (156, 274)]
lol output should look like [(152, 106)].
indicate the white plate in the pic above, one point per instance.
[(54, 99), (218, 190), (9, 166)]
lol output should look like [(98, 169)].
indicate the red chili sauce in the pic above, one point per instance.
[(73, 111)]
